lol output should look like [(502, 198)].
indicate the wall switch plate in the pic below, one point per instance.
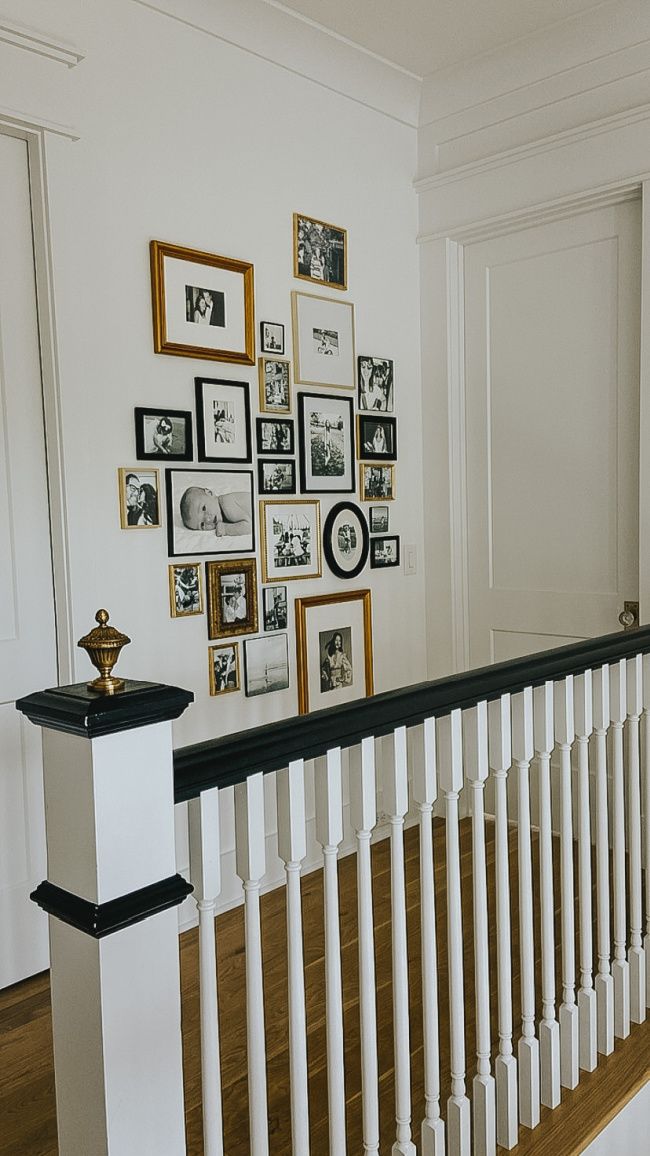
[(410, 559)]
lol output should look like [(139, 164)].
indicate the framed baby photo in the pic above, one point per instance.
[(163, 433), (232, 597), (379, 519), (274, 436), (326, 435), (185, 590), (202, 304), (209, 511), (139, 491), (375, 377), (290, 540), (323, 341), (320, 252), (346, 540), (272, 337), (276, 476), (376, 481), (275, 385), (377, 437), (223, 667), (266, 664), (274, 607), (384, 552), (334, 649), (223, 420)]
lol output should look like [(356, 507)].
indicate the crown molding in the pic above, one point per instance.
[(27, 122), (39, 43)]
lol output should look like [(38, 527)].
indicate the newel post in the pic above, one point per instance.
[(111, 894)]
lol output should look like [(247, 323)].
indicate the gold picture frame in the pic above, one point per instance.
[(216, 690), (312, 618), (139, 507), (177, 590), (267, 406), (214, 305), (225, 595), (323, 341), (300, 530), (319, 247), (370, 489)]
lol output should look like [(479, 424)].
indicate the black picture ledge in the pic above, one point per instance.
[(100, 919), (81, 711)]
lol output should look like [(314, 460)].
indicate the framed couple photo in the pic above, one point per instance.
[(139, 493), (334, 649)]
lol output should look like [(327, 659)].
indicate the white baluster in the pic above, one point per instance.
[(505, 1065), (395, 794), (646, 815), (425, 793), (528, 1051), (604, 980), (549, 1029), (475, 749), (587, 1003), (251, 865), (363, 813), (329, 832), (569, 1023), (205, 875), (450, 773), (636, 955), (620, 966), (292, 848)]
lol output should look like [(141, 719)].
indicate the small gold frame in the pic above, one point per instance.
[(122, 474), (302, 606), (287, 577), (261, 363), (317, 280), (214, 572), (173, 610), (365, 497), (213, 678)]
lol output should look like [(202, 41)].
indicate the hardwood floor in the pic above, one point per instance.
[(27, 1110)]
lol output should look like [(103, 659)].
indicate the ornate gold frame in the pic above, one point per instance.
[(313, 280), (302, 606), (172, 589), (264, 408), (121, 479), (376, 466), (158, 251), (213, 686), (214, 570), (295, 502)]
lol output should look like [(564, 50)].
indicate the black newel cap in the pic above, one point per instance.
[(81, 711)]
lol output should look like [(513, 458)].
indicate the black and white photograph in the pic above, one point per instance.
[(290, 540), (346, 540), (275, 385), (223, 420), (224, 668), (274, 605), (163, 433), (276, 477), (379, 519), (271, 337), (384, 552), (209, 511), (376, 481), (185, 590), (377, 437), (232, 597), (336, 668), (319, 252), (333, 649), (205, 306), (323, 341), (139, 491), (274, 436), (376, 384), (326, 443), (266, 664)]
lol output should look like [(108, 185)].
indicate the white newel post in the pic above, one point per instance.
[(587, 1000), (636, 956), (549, 1028), (111, 894), (569, 1027)]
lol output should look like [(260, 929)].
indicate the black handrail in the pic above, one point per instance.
[(223, 761)]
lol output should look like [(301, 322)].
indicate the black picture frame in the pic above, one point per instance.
[(310, 482), (205, 445), (368, 428), (286, 450), (262, 484), (333, 551), (180, 543), (165, 436), (264, 346), (377, 545)]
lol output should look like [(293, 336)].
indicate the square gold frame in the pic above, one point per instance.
[(379, 498), (289, 502), (314, 280), (214, 570), (213, 684), (121, 479), (298, 377), (264, 408), (302, 606), (172, 589)]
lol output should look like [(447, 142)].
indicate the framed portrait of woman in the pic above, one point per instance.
[(334, 649)]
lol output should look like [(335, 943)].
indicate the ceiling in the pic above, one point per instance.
[(424, 35)]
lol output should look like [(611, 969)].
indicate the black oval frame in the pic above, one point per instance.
[(327, 539)]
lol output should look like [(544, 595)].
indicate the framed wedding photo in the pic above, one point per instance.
[(376, 481), (320, 252), (232, 597), (275, 476), (377, 437), (202, 304), (375, 376), (346, 540), (334, 649), (209, 512), (223, 420), (274, 607), (379, 519), (323, 341), (139, 492), (384, 552), (290, 540), (275, 385), (266, 664), (274, 436), (163, 434), (224, 668), (272, 337), (326, 433), (185, 589)]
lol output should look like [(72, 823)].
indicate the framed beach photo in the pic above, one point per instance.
[(334, 649), (266, 664), (290, 540), (185, 589), (375, 376), (275, 385), (202, 304), (163, 434), (274, 436), (139, 491), (325, 424), (323, 341), (376, 481), (346, 540), (274, 607), (384, 552), (232, 597), (379, 519), (223, 666), (377, 437), (276, 476), (223, 420), (320, 252), (271, 337), (209, 511)]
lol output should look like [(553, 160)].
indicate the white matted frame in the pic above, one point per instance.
[(323, 341), (318, 621)]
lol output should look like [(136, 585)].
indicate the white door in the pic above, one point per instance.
[(27, 632), (552, 317)]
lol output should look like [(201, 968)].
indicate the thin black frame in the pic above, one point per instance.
[(375, 542), (199, 382), (371, 511), (139, 413), (275, 421), (274, 629), (261, 462), (389, 456), (263, 347), (328, 548), (302, 455), (170, 515)]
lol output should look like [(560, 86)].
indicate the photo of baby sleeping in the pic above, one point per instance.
[(209, 512)]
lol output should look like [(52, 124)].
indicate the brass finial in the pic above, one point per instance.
[(103, 646)]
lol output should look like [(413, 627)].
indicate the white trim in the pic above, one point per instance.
[(644, 408), (26, 122), (39, 42), (457, 454)]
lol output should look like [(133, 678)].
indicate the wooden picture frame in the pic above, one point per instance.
[(331, 674), (223, 420), (163, 435), (231, 650), (140, 498), (275, 384), (185, 590), (231, 597), (323, 341), (376, 481), (320, 252)]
